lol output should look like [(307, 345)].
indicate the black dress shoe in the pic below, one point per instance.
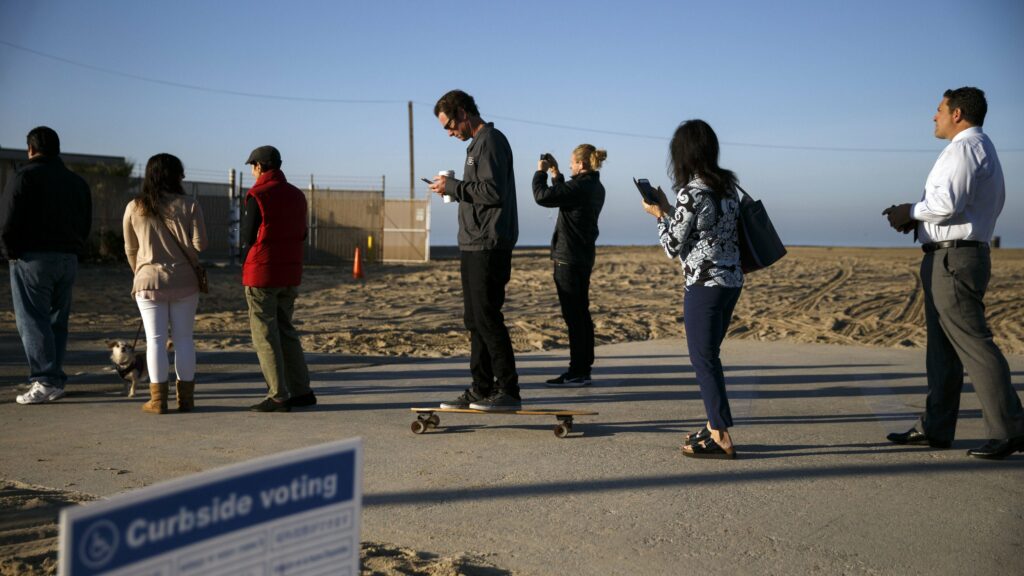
[(912, 436), (308, 399), (270, 405), (998, 449)]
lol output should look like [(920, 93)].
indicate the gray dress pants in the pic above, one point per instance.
[(955, 280)]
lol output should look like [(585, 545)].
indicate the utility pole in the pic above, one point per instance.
[(312, 225), (412, 162), (234, 219)]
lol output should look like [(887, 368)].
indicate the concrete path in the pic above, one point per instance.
[(817, 489)]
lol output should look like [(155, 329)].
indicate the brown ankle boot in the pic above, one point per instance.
[(184, 391), (157, 399)]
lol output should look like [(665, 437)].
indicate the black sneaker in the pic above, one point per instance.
[(270, 405), (500, 401), (463, 401), (308, 399), (569, 380)]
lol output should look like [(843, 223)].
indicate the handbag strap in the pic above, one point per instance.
[(740, 188), (184, 252), (137, 332)]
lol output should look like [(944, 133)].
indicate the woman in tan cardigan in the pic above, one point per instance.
[(160, 225)]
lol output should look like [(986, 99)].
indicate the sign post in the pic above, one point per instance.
[(292, 513)]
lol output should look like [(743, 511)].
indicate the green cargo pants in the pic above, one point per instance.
[(277, 342)]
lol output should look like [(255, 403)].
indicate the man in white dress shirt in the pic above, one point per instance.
[(954, 221)]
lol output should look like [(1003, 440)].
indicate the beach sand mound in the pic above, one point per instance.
[(28, 530)]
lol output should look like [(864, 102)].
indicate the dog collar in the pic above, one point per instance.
[(126, 369)]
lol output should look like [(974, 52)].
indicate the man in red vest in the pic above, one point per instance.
[(273, 231)]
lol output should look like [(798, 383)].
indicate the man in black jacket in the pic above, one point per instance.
[(488, 230), (572, 250), (45, 216)]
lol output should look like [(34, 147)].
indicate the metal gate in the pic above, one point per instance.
[(406, 230), (341, 221)]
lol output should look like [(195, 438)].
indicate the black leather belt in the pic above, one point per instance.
[(933, 246)]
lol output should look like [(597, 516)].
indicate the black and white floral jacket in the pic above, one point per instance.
[(702, 234)]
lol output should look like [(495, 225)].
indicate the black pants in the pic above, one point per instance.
[(573, 284), (492, 362)]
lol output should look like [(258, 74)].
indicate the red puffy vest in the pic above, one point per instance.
[(275, 259)]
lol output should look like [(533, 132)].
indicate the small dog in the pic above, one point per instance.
[(130, 365)]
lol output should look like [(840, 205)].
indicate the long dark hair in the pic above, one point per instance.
[(164, 173), (694, 152)]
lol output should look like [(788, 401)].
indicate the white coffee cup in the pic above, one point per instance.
[(449, 174)]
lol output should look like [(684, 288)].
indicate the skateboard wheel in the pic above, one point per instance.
[(419, 427), (434, 420), (562, 430)]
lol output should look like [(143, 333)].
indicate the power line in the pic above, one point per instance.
[(430, 107), (722, 142), (199, 88)]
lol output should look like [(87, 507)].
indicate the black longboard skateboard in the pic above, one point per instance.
[(427, 418)]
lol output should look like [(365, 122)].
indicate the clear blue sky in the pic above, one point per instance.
[(824, 108)]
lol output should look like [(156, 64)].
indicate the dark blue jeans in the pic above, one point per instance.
[(707, 312), (41, 290)]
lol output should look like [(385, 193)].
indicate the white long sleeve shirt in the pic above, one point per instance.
[(964, 193)]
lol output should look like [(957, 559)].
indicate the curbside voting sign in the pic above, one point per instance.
[(286, 514)]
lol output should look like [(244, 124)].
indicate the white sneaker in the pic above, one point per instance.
[(40, 393)]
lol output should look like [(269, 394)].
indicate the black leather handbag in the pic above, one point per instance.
[(760, 245)]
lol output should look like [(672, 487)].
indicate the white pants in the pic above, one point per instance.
[(181, 314)]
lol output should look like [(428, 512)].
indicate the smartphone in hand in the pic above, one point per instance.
[(646, 191)]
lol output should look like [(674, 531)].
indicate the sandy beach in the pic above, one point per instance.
[(844, 296), (857, 296)]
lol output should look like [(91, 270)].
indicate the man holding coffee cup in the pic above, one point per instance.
[(488, 230), (447, 174)]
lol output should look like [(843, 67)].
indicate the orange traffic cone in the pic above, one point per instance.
[(357, 266)]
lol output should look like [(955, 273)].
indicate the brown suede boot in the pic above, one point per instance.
[(157, 399), (184, 391)]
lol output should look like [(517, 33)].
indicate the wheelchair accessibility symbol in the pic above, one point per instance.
[(99, 544)]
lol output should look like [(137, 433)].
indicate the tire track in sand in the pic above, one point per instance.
[(913, 307), (812, 301)]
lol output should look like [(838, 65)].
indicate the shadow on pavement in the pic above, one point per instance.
[(728, 477)]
